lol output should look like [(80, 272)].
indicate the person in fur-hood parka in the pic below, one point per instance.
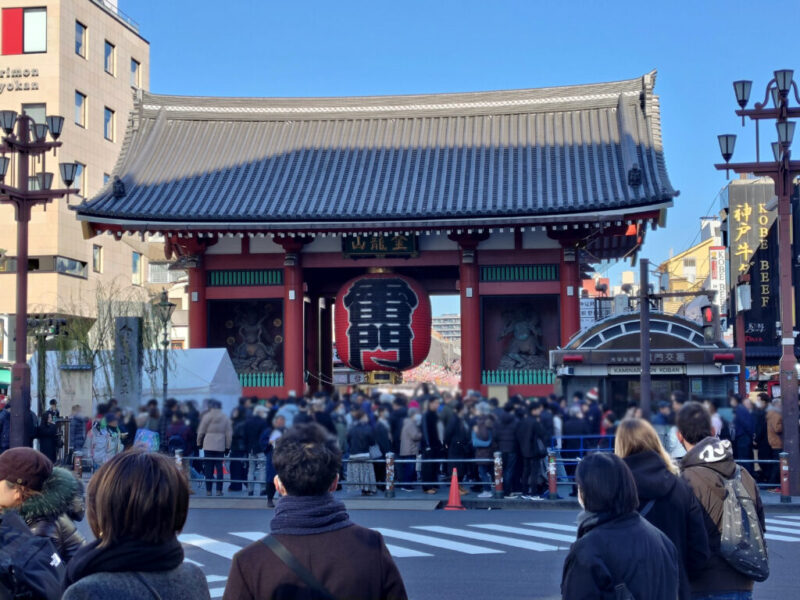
[(48, 498)]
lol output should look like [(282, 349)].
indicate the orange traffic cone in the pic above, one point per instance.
[(454, 502)]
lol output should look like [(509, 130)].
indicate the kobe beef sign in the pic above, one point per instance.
[(380, 246)]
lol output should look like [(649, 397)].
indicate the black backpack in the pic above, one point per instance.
[(30, 567), (742, 542)]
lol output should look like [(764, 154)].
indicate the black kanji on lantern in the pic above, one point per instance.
[(380, 313)]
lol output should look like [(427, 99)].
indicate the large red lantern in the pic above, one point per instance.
[(383, 323)]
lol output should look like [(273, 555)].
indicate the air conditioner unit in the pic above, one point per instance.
[(566, 371), (730, 369)]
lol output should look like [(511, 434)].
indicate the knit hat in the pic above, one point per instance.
[(25, 467), (593, 394)]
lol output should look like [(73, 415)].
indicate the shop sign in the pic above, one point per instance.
[(380, 246), (654, 370), (18, 79), (719, 277)]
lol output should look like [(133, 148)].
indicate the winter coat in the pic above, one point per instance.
[(529, 430), (360, 437), (382, 436), (50, 513), (483, 432), (743, 422), (626, 549), (215, 432), (47, 434), (397, 419), (574, 426), (775, 428), (675, 511), (104, 444), (457, 438), (409, 438), (253, 428), (5, 429), (505, 431), (705, 467), (430, 432), (187, 582), (352, 563), (760, 429), (77, 432), (239, 436)]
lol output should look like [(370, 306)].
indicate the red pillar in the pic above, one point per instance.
[(198, 308), (293, 337), (326, 344), (312, 343), (570, 294), (470, 318)]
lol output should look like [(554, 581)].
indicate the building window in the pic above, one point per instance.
[(80, 179), (36, 112), (135, 74), (24, 31), (97, 259), (80, 109), (70, 266), (108, 124), (136, 268), (689, 269), (159, 272), (106, 177), (80, 39), (49, 264), (109, 58)]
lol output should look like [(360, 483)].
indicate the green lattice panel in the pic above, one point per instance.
[(244, 277), (523, 377), (519, 273), (261, 379)]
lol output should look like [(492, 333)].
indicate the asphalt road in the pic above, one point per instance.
[(456, 555)]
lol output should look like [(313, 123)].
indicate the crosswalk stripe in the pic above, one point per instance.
[(215, 578), (549, 535), (192, 562), (556, 526), (496, 539), (781, 538), (773, 528), (222, 549), (400, 552), (779, 522), (217, 592), (427, 540), (792, 517)]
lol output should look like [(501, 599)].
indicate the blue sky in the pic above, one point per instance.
[(301, 48)]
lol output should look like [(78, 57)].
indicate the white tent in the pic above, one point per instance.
[(198, 374)]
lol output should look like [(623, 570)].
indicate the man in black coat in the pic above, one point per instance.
[(396, 419), (431, 444), (572, 446), (506, 432), (531, 437)]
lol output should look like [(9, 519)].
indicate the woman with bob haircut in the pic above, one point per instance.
[(665, 499), (617, 551), (137, 503)]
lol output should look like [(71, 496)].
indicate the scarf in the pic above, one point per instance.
[(125, 556), (307, 515)]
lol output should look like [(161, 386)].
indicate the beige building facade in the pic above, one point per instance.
[(83, 60)]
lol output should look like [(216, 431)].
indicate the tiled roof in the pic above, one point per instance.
[(539, 155)]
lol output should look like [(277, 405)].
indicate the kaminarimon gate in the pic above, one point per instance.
[(503, 198)]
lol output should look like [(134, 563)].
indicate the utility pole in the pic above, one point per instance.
[(644, 319)]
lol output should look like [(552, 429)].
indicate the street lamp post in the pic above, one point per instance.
[(164, 309), (782, 170), (23, 193)]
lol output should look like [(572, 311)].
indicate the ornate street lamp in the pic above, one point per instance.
[(782, 170), (25, 139), (164, 309)]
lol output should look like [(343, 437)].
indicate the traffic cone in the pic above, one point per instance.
[(454, 502)]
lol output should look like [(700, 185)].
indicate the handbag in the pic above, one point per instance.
[(290, 561), (375, 452)]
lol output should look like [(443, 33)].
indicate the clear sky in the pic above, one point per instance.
[(349, 47)]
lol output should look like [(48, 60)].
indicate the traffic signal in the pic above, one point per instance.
[(709, 315)]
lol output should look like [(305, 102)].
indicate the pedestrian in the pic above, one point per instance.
[(617, 551), (137, 504), (255, 426), (360, 438), (278, 429), (458, 443), (775, 438), (707, 465), (77, 430), (743, 434), (178, 435), (531, 437), (431, 445), (760, 435), (103, 441), (673, 446), (47, 434), (238, 449), (314, 550), (214, 436), (665, 499), (410, 437), (46, 497), (505, 429), (484, 442), (575, 431), (5, 426), (170, 408)]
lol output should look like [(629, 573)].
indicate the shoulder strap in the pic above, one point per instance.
[(290, 561), (647, 508)]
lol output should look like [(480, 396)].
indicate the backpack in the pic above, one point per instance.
[(742, 542), (30, 567)]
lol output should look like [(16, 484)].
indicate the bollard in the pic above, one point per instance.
[(552, 480), (498, 475), (77, 464), (389, 475), (786, 496)]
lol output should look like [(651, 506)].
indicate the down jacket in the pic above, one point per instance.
[(215, 432), (51, 513)]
